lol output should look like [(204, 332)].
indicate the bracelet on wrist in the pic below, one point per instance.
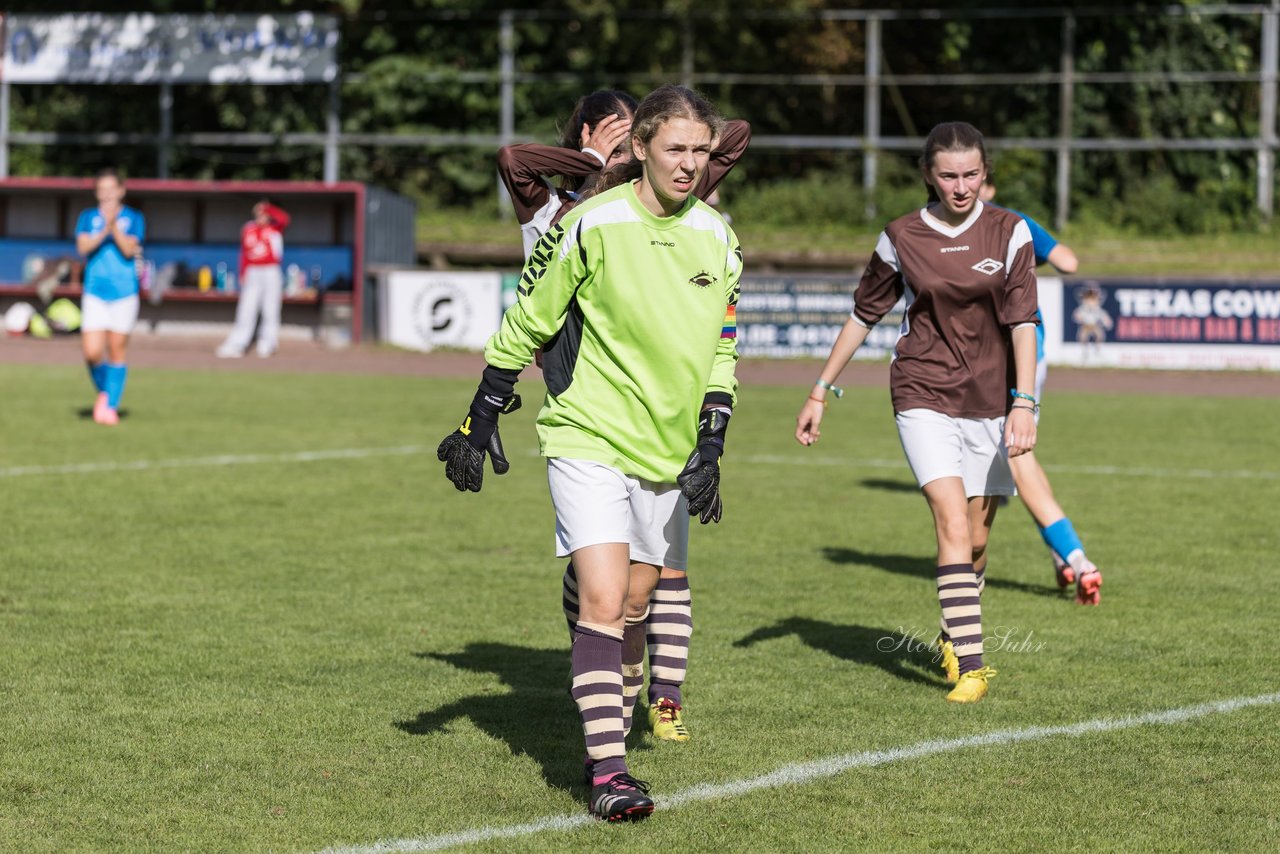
[(1021, 395), (1032, 409), (834, 389), (818, 399)]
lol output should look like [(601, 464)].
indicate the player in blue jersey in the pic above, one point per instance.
[(1069, 560), (109, 236)]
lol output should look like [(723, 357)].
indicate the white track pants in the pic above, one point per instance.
[(260, 293)]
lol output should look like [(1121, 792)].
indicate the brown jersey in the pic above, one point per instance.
[(526, 171), (968, 286)]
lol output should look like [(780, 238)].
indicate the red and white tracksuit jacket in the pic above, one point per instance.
[(263, 244)]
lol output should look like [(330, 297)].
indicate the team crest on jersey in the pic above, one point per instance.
[(989, 266), (703, 279)]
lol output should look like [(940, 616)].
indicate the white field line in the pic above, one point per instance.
[(799, 459), (806, 772), (221, 460), (1115, 471)]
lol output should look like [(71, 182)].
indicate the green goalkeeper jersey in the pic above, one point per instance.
[(635, 315)]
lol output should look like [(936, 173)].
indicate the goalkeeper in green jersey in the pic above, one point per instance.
[(631, 297)]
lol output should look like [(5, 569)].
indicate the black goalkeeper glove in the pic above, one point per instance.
[(463, 450), (700, 478)]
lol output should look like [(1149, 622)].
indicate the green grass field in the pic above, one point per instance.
[(255, 617)]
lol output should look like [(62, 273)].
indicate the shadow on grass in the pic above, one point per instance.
[(924, 567), (86, 413), (890, 485), (904, 656), (536, 717)]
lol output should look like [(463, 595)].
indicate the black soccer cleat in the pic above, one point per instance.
[(621, 798)]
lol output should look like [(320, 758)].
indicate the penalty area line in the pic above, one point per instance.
[(801, 773)]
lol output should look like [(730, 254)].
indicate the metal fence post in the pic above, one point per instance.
[(4, 128), (1267, 116), (1066, 121), (332, 131), (166, 129), (507, 110), (871, 116)]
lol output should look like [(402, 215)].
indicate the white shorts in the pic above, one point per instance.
[(971, 449), (114, 315), (596, 504)]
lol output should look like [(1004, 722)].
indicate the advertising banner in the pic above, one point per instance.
[(144, 48), (800, 315), (424, 310), (1159, 324)]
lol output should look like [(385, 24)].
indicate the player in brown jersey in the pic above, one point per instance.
[(963, 374), (597, 137)]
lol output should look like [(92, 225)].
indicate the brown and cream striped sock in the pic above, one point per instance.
[(958, 594), (597, 691), (669, 629)]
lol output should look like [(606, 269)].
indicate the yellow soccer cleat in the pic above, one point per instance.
[(950, 663), (666, 722), (972, 686)]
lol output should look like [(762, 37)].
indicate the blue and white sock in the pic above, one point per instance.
[(1061, 536)]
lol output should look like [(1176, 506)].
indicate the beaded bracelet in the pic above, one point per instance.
[(834, 389), (1022, 396)]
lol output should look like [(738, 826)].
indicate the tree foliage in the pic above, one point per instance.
[(431, 67)]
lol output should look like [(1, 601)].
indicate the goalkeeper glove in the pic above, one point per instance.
[(463, 450), (700, 478)]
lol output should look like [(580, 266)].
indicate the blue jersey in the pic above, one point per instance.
[(1042, 243), (108, 274)]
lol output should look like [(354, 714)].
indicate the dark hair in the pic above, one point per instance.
[(659, 107), (952, 137), (590, 109), (109, 172)]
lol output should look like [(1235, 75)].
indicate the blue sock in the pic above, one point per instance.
[(1061, 536), (116, 375), (98, 373)]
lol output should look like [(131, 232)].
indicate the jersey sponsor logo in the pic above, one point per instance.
[(946, 249), (989, 266), (661, 243), (703, 279)]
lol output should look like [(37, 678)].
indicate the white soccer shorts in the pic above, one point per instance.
[(114, 315), (971, 449), (596, 503)]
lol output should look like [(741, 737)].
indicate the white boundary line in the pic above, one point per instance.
[(1111, 471), (805, 772), (221, 460), (413, 450)]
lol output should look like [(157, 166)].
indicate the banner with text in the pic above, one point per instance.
[(801, 315), (144, 48), (1159, 324)]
